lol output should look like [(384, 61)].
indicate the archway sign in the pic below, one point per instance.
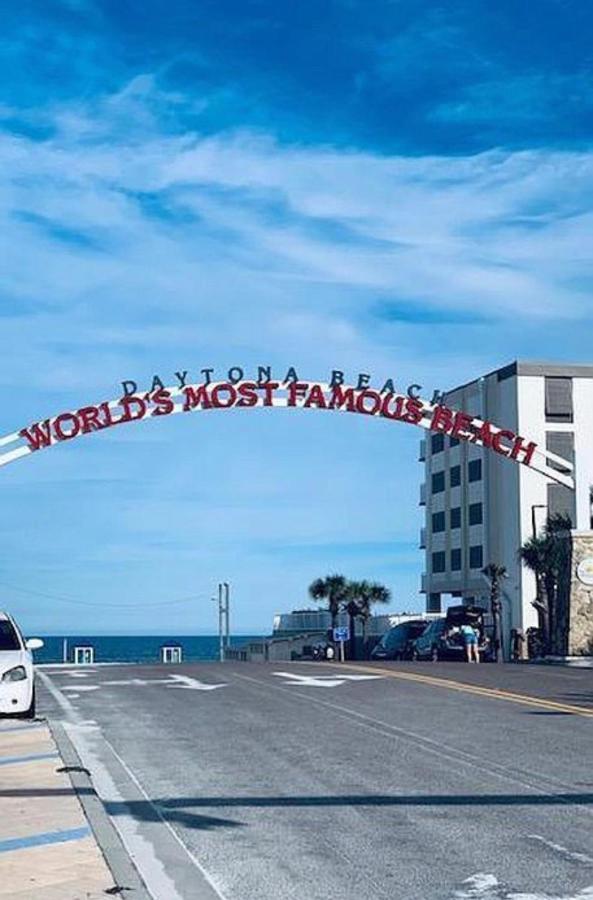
[(292, 393)]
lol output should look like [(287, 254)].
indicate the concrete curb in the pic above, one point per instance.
[(124, 873)]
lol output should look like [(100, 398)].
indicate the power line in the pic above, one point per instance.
[(101, 604)]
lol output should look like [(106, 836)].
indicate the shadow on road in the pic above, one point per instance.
[(180, 809)]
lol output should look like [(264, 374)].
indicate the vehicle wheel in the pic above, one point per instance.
[(30, 713), (414, 655), (434, 654)]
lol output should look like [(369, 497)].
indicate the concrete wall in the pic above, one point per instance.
[(580, 614)]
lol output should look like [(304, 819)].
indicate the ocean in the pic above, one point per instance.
[(133, 648)]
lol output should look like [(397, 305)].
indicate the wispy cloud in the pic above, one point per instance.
[(138, 238)]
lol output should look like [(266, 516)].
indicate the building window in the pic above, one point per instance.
[(559, 400), (454, 442), (456, 517), (456, 559), (455, 476), (475, 514), (438, 561), (474, 470), (561, 502), (437, 443), (434, 603), (438, 522), (476, 557), (562, 444), (438, 482)]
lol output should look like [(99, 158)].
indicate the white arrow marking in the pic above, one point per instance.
[(323, 680), (192, 684), (173, 681), (488, 887)]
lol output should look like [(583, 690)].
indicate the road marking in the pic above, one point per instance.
[(572, 855), (324, 681), (47, 837), (33, 757), (493, 693), (81, 687), (192, 684), (542, 785), (151, 867), (172, 681), (487, 887)]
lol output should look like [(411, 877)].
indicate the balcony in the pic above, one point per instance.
[(422, 451), (422, 500), (423, 538)]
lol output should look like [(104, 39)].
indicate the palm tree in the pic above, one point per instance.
[(557, 578), (334, 589), (495, 574), (534, 555), (362, 596), (548, 557)]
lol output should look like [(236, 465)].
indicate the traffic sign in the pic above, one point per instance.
[(342, 633)]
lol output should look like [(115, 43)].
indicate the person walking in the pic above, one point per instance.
[(470, 639)]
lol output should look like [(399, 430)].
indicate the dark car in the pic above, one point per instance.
[(443, 640), (397, 642)]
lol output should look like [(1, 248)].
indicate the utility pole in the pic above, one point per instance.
[(224, 592), (220, 624), (227, 603)]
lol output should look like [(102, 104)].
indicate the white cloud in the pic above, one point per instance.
[(130, 250)]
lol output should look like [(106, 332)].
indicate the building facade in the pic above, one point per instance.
[(481, 507)]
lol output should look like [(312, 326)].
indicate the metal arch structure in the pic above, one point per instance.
[(224, 395)]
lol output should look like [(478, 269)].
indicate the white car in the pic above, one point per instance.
[(17, 676)]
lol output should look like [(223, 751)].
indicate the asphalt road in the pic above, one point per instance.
[(295, 782)]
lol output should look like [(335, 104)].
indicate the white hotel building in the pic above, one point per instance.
[(481, 507)]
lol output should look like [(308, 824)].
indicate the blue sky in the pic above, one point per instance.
[(400, 188)]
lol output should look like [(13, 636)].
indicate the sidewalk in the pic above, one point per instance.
[(47, 849)]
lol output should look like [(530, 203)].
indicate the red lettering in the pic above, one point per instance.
[(316, 398), (195, 398), (414, 411), (164, 405), (521, 447), (442, 419), (296, 392), (106, 410), (462, 426), (483, 434), (399, 405), (62, 420), (368, 395), (497, 444), (89, 419), (221, 403), (247, 394), (128, 404), (340, 398), (38, 435), (269, 387)]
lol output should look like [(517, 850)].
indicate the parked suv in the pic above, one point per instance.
[(443, 640), (397, 642)]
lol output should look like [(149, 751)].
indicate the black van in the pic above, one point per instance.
[(397, 642)]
